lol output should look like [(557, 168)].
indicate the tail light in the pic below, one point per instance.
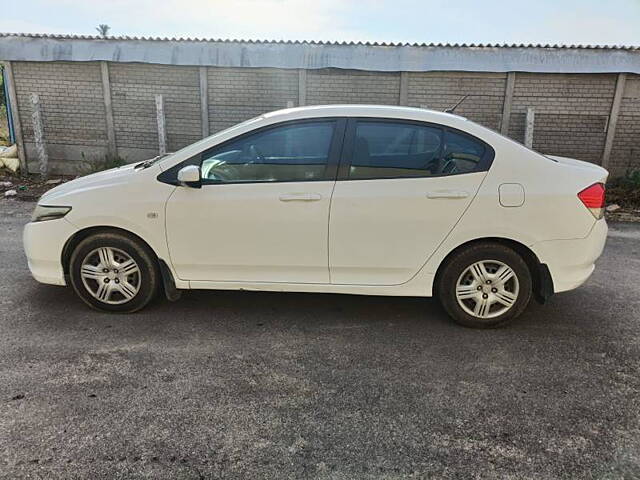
[(593, 198)]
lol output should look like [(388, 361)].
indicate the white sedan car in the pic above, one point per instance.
[(369, 200)]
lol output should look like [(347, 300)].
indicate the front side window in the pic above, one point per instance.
[(289, 153), (399, 150)]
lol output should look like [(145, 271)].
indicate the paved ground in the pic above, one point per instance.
[(257, 385)]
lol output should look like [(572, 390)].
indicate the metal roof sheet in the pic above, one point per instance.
[(378, 56), (317, 42)]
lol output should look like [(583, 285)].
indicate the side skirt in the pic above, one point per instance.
[(419, 286)]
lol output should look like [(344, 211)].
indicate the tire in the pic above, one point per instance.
[(114, 272), (471, 289)]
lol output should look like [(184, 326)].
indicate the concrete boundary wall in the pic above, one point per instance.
[(99, 109)]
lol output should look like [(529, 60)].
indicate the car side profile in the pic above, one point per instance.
[(371, 200)]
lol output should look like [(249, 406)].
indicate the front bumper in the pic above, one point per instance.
[(571, 262), (43, 244)]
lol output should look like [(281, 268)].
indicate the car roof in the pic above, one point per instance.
[(381, 111)]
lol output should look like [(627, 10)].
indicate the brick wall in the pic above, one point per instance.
[(625, 154), (442, 90), (572, 111), (133, 90), (237, 94), (351, 86), (72, 107)]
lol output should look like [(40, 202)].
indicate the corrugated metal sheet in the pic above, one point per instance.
[(314, 55)]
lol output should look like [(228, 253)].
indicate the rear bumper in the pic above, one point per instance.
[(43, 244), (571, 262)]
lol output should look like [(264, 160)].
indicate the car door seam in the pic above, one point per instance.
[(166, 235), (333, 189)]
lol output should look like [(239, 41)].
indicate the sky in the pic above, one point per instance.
[(613, 22)]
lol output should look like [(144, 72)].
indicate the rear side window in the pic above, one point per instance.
[(399, 150), (461, 154)]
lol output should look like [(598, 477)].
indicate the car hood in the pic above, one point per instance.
[(113, 176)]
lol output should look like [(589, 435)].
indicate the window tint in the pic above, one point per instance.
[(462, 154), (289, 153), (396, 150)]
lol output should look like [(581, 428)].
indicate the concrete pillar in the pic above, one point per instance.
[(404, 85), (508, 100), (528, 127), (204, 102), (613, 119), (15, 117), (162, 131), (302, 87), (112, 147), (38, 135)]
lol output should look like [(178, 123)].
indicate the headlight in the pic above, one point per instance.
[(43, 212)]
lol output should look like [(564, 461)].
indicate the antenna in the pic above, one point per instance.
[(451, 110)]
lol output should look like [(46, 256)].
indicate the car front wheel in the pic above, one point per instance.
[(114, 272), (484, 286)]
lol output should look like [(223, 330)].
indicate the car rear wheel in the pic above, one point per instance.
[(484, 286), (114, 272)]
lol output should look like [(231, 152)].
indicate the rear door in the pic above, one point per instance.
[(401, 188)]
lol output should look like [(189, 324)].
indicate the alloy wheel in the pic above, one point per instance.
[(110, 275), (487, 289)]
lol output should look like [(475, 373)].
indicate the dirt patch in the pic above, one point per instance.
[(28, 188), (626, 197), (624, 193), (624, 215)]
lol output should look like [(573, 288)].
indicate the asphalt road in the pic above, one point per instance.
[(267, 385)]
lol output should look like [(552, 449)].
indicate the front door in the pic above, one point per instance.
[(401, 189), (263, 210)]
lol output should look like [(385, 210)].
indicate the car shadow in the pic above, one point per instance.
[(234, 309), (224, 312)]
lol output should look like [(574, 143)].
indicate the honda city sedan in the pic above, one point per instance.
[(352, 199)]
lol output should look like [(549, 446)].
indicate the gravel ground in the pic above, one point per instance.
[(269, 385)]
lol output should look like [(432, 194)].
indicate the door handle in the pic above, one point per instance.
[(300, 197), (448, 194)]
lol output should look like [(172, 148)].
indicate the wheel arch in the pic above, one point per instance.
[(73, 241), (168, 282), (540, 275)]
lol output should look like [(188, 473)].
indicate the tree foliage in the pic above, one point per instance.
[(103, 29)]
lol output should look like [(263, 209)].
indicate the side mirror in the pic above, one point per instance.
[(189, 176)]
